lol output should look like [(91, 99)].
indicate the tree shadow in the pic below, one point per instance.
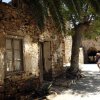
[(90, 84)]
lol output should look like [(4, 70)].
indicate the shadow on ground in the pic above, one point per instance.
[(90, 84)]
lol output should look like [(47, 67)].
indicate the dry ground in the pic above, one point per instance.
[(87, 88)]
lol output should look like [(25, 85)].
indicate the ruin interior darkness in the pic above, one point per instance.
[(92, 55)]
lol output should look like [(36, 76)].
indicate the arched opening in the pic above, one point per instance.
[(92, 55)]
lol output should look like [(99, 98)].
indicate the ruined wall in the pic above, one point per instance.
[(88, 43), (53, 57), (2, 53), (15, 24), (31, 54), (57, 56), (12, 23), (55, 38)]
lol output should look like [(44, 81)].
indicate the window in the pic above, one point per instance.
[(14, 54)]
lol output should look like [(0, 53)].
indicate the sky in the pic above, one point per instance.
[(6, 1)]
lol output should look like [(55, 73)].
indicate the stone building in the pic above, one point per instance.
[(25, 52), (18, 48), (67, 50)]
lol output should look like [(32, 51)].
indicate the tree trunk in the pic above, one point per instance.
[(74, 70), (76, 42)]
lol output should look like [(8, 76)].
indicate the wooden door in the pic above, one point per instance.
[(47, 75)]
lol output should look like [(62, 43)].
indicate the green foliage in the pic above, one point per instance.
[(94, 30), (37, 9), (95, 4), (81, 11), (62, 11), (43, 8)]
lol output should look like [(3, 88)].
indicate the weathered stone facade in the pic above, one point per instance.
[(11, 25), (52, 50), (87, 43), (43, 53), (14, 24)]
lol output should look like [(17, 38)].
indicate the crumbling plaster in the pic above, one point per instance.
[(13, 24)]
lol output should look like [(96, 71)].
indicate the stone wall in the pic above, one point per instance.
[(2, 58), (2, 70), (68, 47), (31, 56), (55, 38), (13, 24), (18, 25), (57, 56), (87, 43)]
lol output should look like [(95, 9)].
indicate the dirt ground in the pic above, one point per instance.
[(87, 88)]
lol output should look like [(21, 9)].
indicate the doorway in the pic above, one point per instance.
[(45, 61)]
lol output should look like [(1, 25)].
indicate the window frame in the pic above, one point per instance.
[(20, 39)]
